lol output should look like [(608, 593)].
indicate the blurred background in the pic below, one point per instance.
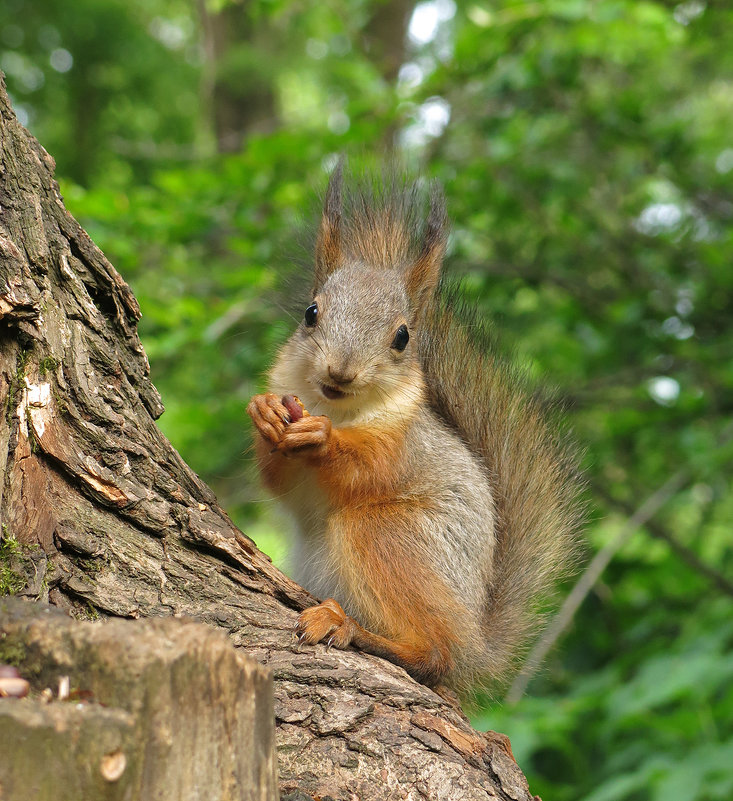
[(586, 149)]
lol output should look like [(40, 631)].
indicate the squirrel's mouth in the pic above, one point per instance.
[(331, 392)]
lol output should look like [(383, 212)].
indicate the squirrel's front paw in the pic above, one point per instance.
[(328, 622), (309, 435), (269, 416)]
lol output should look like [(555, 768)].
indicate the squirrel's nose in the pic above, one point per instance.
[(341, 376)]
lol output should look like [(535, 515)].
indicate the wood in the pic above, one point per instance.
[(164, 709), (110, 522)]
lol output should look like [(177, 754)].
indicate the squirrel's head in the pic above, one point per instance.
[(377, 266)]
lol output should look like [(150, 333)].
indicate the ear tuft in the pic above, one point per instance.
[(424, 273), (328, 243)]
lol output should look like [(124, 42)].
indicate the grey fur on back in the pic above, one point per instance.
[(530, 460)]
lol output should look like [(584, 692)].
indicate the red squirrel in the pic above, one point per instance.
[(434, 503)]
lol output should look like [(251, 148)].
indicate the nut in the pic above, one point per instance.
[(294, 405)]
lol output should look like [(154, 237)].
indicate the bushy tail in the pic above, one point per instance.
[(531, 462)]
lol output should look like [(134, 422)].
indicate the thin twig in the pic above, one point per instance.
[(688, 556)]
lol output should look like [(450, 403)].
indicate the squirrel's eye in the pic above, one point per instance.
[(311, 315), (401, 338)]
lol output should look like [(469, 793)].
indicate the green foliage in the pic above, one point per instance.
[(11, 581), (98, 92), (586, 154), (657, 717)]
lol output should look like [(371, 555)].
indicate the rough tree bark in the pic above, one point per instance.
[(112, 523)]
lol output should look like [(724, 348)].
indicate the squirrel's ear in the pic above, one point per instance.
[(424, 273), (328, 243)]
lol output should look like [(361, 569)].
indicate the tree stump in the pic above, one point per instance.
[(159, 708), (101, 516)]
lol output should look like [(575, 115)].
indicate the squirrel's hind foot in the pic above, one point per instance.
[(326, 622)]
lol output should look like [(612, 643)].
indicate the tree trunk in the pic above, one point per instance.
[(237, 83), (384, 36), (109, 521)]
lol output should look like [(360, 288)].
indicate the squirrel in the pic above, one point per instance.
[(435, 501)]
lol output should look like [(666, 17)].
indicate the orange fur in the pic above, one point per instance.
[(278, 472), (401, 597), (360, 465), (360, 470), (427, 661), (328, 248), (416, 615), (328, 244)]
